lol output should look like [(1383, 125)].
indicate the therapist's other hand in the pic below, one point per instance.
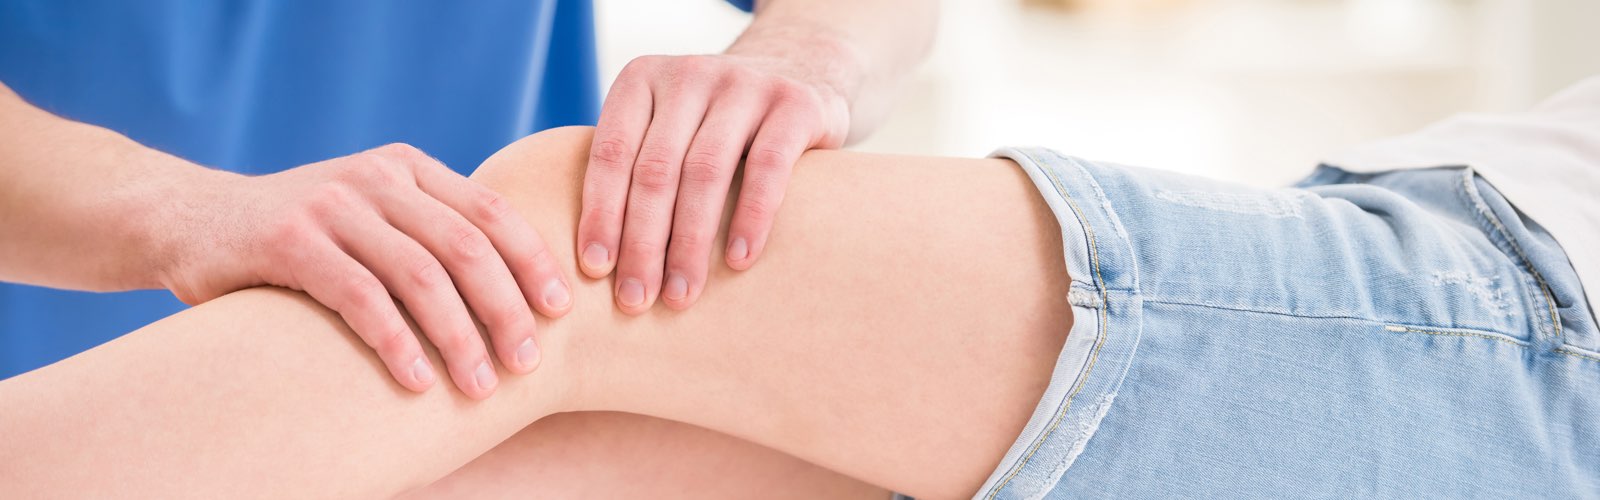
[(668, 143), (392, 221)]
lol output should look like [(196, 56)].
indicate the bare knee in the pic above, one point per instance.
[(541, 175), (544, 163)]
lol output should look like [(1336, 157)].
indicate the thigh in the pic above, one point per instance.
[(899, 328), (623, 455)]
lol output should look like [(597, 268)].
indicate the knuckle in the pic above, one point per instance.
[(755, 207), (401, 151), (639, 247), (739, 77), (468, 242), (504, 316), (690, 242), (393, 340), (676, 84), (654, 173), (373, 171), (428, 273), (654, 152), (702, 165), (371, 158), (610, 154), (331, 199), (601, 215), (493, 208), (288, 234), (767, 158), (544, 261), (362, 293), (458, 341), (786, 91), (704, 69), (679, 71), (696, 63)]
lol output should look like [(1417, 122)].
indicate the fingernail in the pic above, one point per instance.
[(738, 249), (485, 376), (595, 256), (421, 371), (677, 288), (631, 293), (527, 354), (555, 294)]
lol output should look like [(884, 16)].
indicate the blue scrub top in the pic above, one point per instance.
[(262, 86)]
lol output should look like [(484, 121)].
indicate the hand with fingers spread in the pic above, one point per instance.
[(673, 130), (354, 231), (670, 139)]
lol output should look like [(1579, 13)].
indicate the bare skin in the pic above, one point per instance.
[(86, 208), (905, 349), (805, 74), (625, 455)]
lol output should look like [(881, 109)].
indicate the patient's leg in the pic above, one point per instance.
[(850, 181), (622, 455), (899, 329)]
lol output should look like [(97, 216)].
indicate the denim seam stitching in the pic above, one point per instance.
[(1564, 350), (1227, 307), (1482, 208), (1458, 332), (1094, 354), (1497, 338), (1149, 300), (1486, 333)]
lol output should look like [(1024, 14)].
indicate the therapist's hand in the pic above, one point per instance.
[(354, 231), (670, 138)]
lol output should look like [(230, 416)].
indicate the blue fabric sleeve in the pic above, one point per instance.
[(744, 5)]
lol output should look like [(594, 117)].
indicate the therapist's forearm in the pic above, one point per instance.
[(79, 203), (862, 48)]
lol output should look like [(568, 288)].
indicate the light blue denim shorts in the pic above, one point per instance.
[(1397, 335)]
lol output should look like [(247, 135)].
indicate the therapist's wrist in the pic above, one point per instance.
[(817, 55), (178, 216)]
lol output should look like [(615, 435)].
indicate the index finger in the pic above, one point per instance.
[(617, 137), (525, 253), (361, 300), (777, 145)]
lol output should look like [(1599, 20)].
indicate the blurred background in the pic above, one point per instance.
[(1255, 91)]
